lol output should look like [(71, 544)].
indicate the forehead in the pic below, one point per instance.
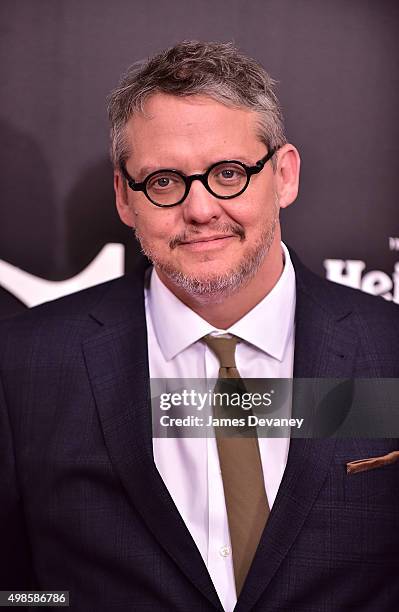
[(173, 129)]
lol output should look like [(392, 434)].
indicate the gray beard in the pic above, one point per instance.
[(216, 288)]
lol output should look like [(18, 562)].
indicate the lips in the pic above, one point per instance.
[(204, 244), (207, 238)]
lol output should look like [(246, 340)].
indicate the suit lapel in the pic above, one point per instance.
[(325, 341), (117, 364), (324, 347)]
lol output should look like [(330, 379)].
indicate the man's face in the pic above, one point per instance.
[(205, 246)]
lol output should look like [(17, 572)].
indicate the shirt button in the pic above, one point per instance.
[(225, 551)]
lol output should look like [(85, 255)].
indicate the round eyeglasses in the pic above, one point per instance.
[(224, 180)]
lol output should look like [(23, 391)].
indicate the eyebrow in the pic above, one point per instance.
[(146, 170)]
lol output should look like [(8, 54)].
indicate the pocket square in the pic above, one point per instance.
[(361, 465)]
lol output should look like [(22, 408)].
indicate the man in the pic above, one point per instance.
[(90, 502)]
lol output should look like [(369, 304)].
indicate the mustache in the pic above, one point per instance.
[(228, 229)]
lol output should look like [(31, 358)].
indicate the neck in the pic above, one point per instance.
[(227, 311)]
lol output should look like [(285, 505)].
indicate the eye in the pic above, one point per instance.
[(163, 182), (228, 173)]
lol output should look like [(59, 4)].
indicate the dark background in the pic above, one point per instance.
[(336, 63)]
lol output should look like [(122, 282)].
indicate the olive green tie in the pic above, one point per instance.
[(240, 464)]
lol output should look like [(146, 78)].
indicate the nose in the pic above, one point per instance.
[(200, 206)]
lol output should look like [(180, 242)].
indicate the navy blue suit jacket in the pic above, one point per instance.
[(83, 507)]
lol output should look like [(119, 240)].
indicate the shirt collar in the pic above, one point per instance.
[(267, 326)]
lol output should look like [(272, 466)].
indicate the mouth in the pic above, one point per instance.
[(202, 243)]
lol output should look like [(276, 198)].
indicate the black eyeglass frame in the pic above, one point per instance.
[(250, 170)]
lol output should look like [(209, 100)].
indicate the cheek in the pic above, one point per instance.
[(155, 227), (249, 215), (260, 210)]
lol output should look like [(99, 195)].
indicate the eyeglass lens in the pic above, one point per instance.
[(168, 187)]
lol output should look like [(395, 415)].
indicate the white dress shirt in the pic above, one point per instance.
[(190, 466)]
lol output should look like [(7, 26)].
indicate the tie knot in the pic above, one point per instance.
[(224, 349)]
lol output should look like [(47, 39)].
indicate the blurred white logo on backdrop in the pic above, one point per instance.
[(33, 290), (110, 263), (376, 282)]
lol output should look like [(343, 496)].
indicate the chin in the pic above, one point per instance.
[(208, 286)]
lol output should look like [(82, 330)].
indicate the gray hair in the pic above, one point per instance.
[(217, 70)]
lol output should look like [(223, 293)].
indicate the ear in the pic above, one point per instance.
[(125, 210), (287, 174)]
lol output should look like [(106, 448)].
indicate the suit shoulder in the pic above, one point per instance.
[(335, 297), (71, 305), (66, 321), (360, 302), (371, 318), (368, 322)]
